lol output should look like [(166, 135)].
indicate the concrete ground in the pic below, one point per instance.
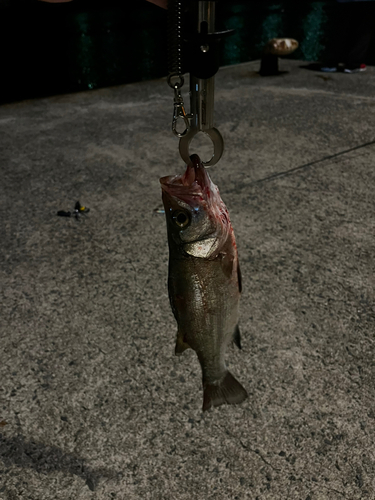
[(93, 402)]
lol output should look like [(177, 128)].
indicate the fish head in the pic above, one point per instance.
[(197, 218)]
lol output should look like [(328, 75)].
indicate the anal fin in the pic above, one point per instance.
[(228, 390), (181, 345)]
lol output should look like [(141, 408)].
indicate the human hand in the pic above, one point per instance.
[(160, 3)]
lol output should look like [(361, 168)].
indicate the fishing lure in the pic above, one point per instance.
[(78, 211)]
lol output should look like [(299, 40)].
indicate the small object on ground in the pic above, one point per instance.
[(275, 48), (328, 69), (159, 210), (3, 423), (204, 280), (79, 209), (331, 68), (355, 69), (77, 212)]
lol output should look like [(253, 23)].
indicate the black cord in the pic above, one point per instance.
[(306, 165)]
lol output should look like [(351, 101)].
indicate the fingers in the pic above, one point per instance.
[(160, 3)]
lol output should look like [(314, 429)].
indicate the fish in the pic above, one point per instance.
[(204, 278)]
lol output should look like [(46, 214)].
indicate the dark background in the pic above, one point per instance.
[(86, 44)]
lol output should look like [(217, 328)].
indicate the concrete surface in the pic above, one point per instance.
[(93, 403)]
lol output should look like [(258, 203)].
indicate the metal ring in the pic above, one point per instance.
[(217, 141), (178, 84)]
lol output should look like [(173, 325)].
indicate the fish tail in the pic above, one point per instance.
[(227, 390)]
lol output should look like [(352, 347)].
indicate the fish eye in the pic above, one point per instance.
[(180, 218)]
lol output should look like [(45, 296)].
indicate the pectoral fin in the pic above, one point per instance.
[(181, 345), (227, 264)]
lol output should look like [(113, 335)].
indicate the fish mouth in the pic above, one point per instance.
[(195, 182)]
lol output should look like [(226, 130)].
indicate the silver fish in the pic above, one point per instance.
[(204, 280)]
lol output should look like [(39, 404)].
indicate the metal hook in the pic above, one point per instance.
[(178, 107), (217, 141), (179, 113)]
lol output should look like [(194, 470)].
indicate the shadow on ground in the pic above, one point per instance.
[(46, 459)]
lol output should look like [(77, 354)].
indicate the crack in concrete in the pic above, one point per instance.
[(257, 452), (311, 163)]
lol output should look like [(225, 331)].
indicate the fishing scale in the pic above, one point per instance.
[(194, 48)]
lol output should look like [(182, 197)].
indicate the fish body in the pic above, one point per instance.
[(204, 279)]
